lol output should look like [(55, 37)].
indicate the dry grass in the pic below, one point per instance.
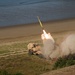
[(14, 59), (25, 64)]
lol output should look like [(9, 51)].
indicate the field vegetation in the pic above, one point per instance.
[(14, 60)]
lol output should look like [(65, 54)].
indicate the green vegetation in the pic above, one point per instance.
[(65, 61), (18, 62), (6, 73), (21, 64), (25, 64), (15, 47)]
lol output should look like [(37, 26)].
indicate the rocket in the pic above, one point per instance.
[(40, 23), (45, 35)]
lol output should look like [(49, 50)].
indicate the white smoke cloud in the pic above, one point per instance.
[(48, 46), (68, 45), (51, 50)]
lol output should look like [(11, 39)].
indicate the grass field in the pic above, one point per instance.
[(15, 59)]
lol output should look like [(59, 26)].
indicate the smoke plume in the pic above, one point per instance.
[(51, 50)]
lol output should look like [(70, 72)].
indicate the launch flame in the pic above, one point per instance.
[(48, 44), (46, 35)]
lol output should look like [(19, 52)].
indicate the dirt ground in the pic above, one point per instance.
[(64, 71)]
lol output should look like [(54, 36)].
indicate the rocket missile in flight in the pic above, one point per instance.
[(45, 35), (40, 23)]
